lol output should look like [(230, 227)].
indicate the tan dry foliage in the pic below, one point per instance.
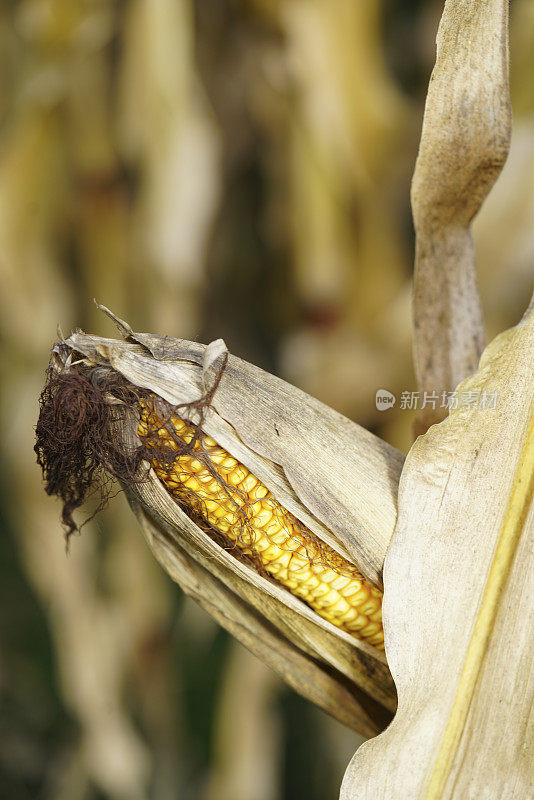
[(464, 144), (459, 643)]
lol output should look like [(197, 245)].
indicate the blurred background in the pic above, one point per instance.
[(234, 168)]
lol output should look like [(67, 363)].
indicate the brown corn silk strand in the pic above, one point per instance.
[(77, 446), (205, 479)]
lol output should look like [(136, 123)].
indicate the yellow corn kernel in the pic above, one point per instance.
[(249, 515)]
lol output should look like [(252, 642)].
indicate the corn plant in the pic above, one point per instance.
[(289, 523)]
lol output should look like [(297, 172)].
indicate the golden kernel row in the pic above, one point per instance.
[(250, 516)]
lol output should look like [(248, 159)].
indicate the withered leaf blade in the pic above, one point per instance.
[(458, 610), (464, 144)]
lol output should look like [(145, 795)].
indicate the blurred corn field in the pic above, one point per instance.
[(211, 168)]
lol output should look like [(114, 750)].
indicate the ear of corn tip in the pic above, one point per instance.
[(237, 504)]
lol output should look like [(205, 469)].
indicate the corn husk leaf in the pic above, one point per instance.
[(304, 453), (335, 476), (458, 612)]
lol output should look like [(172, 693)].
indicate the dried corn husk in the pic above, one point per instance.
[(337, 478), (333, 475)]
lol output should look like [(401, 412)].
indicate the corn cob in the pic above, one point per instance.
[(239, 506)]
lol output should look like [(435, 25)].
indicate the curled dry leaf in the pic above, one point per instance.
[(464, 144), (334, 480), (460, 643)]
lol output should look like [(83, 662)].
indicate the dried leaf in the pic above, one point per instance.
[(464, 144), (458, 611)]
